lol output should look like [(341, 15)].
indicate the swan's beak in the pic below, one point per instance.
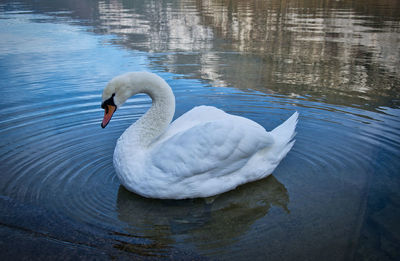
[(108, 113)]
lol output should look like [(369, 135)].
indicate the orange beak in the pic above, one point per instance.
[(108, 113)]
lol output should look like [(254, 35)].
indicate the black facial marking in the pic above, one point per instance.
[(109, 101)]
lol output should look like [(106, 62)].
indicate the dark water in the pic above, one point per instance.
[(334, 197)]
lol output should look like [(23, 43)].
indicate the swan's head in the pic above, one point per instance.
[(122, 87), (117, 91)]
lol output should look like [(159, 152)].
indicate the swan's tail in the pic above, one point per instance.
[(284, 136)]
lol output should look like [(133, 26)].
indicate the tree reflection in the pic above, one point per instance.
[(341, 52)]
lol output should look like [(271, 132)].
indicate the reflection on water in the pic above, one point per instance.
[(261, 45), (336, 62), (207, 223)]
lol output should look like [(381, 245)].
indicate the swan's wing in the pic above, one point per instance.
[(195, 116), (201, 114), (217, 147)]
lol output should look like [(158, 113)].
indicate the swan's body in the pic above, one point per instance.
[(202, 153)]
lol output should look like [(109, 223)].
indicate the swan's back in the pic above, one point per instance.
[(197, 115)]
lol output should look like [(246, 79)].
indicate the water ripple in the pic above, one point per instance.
[(339, 173)]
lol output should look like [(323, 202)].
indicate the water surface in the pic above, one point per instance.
[(334, 197)]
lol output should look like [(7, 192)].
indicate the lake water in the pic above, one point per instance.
[(336, 196)]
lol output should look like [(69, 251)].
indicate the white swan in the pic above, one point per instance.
[(202, 153)]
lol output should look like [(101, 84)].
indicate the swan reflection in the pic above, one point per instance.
[(207, 223)]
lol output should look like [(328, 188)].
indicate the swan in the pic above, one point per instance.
[(203, 153)]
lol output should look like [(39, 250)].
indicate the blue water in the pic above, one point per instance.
[(334, 197)]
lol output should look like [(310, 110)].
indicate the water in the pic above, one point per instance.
[(334, 197)]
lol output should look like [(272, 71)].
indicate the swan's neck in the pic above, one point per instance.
[(157, 119)]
